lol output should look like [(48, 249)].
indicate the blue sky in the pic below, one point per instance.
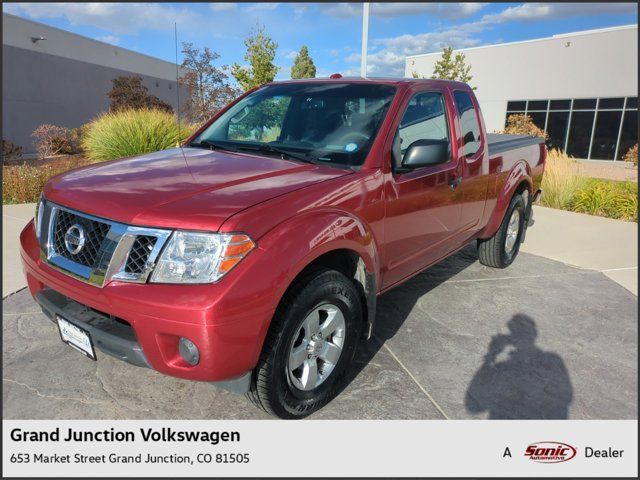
[(331, 30)]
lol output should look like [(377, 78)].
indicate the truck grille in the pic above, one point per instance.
[(95, 232), (110, 250), (139, 254)]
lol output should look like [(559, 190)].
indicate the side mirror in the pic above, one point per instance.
[(423, 153)]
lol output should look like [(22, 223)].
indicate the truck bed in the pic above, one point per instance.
[(500, 142)]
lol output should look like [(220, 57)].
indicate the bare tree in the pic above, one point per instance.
[(208, 87)]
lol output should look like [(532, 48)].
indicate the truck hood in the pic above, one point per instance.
[(199, 190)]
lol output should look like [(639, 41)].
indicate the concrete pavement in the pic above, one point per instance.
[(14, 218), (585, 241)]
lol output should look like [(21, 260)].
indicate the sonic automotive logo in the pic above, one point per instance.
[(550, 452)]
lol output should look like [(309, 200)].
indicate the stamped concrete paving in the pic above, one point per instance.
[(538, 340)]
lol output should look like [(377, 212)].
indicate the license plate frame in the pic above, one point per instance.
[(76, 337)]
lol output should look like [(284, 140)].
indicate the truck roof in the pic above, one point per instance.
[(377, 80)]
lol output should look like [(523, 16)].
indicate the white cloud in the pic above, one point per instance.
[(112, 39), (449, 11), (299, 11), (390, 59), (118, 18), (291, 55), (545, 11), (223, 6), (262, 6)]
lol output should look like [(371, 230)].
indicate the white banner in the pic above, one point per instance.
[(477, 448)]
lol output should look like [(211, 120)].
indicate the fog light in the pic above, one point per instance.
[(189, 351)]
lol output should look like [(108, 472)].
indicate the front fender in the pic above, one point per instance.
[(308, 236), (259, 282), (301, 240), (518, 174)]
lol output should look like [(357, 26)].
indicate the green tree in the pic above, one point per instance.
[(451, 67), (261, 50), (303, 66)]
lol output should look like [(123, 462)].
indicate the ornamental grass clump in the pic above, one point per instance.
[(132, 132), (607, 198), (561, 180)]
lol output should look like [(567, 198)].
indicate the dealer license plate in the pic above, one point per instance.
[(76, 337)]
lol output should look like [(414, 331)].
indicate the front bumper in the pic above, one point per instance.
[(113, 337), (142, 323)]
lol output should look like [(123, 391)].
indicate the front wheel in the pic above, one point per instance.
[(310, 344), (501, 250)]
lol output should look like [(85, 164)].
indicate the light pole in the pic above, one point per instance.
[(365, 35)]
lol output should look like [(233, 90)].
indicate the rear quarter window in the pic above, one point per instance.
[(468, 122)]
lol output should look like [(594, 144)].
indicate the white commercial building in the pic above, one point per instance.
[(582, 87)]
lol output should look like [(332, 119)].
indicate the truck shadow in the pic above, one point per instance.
[(395, 306), (515, 380)]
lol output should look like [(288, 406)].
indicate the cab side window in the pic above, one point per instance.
[(424, 119), (468, 122)]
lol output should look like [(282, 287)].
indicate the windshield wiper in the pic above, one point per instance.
[(265, 147), (212, 146)]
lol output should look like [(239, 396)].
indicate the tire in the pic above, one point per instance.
[(495, 251), (290, 393)]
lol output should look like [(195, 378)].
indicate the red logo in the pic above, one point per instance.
[(550, 452)]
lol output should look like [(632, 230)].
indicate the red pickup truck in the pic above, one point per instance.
[(253, 255)]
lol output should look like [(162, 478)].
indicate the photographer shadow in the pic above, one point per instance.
[(529, 383)]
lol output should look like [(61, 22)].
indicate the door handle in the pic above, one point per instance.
[(454, 182)]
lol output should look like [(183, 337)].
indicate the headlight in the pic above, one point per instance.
[(37, 219), (194, 257)]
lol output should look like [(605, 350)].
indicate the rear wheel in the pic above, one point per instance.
[(309, 346), (501, 250)]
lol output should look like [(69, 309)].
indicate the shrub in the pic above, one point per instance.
[(24, 183), (52, 140), (76, 137), (132, 132), (523, 125), (632, 155), (10, 151), (561, 180), (128, 92), (607, 198)]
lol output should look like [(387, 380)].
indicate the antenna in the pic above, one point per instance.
[(179, 142)]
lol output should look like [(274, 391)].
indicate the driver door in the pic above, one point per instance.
[(423, 204)]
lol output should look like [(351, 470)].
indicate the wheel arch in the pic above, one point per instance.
[(352, 265), (518, 180)]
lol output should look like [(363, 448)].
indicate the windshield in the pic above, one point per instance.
[(318, 122)]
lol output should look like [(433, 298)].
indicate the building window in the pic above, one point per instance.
[(560, 105), (557, 127), (629, 132), (580, 134), (590, 128), (605, 135), (515, 106)]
